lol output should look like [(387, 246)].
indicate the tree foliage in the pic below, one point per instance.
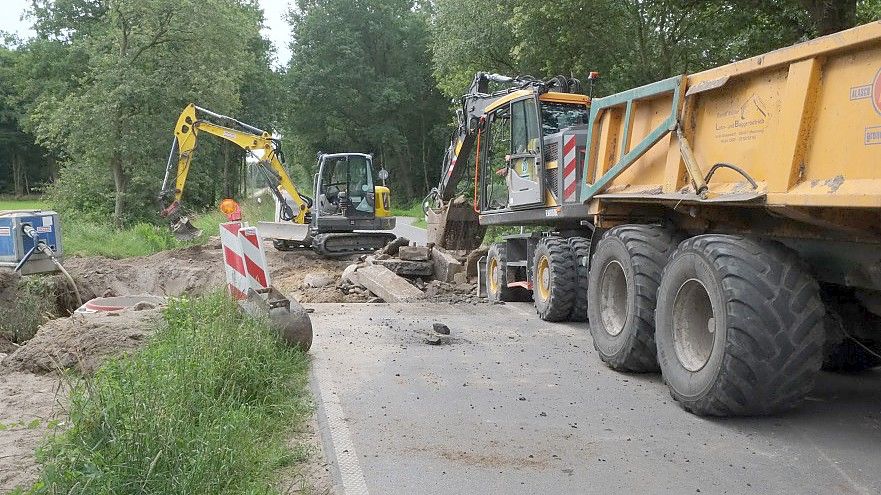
[(91, 100), (126, 69), (360, 80)]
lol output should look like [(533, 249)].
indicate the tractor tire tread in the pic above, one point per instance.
[(650, 247), (562, 291), (775, 318), (580, 247)]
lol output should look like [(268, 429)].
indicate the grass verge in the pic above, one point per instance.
[(204, 408), (414, 210), (22, 204), (88, 238)]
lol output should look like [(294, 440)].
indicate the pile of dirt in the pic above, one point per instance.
[(293, 273), (451, 293), (193, 270), (83, 341)]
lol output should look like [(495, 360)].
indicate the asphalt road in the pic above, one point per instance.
[(404, 228), (516, 405)]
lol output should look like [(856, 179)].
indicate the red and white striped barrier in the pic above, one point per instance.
[(255, 258), (233, 260), (244, 259)]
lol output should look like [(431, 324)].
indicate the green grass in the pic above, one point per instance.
[(22, 204), (206, 407), (88, 238), (414, 210)]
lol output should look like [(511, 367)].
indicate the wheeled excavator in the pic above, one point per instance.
[(452, 217), (345, 215)]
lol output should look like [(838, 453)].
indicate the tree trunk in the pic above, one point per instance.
[(224, 150), (17, 175), (119, 183), (832, 16), (52, 165)]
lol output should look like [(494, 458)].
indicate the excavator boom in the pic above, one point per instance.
[(255, 141)]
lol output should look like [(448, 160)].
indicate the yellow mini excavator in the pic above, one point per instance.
[(345, 214)]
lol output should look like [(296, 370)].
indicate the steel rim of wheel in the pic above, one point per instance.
[(544, 278), (613, 298), (493, 274), (694, 326)]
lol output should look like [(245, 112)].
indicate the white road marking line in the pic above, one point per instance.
[(352, 477)]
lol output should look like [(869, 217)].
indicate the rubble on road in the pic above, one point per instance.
[(385, 284), (446, 264), (438, 275), (318, 280)]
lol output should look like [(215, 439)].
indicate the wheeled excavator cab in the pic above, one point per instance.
[(347, 199)]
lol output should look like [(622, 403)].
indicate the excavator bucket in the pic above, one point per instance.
[(455, 226), (184, 230)]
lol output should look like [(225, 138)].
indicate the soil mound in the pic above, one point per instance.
[(83, 341), (194, 270)]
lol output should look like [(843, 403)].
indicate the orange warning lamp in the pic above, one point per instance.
[(231, 209)]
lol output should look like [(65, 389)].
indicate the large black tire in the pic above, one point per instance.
[(497, 289), (622, 285), (739, 326), (553, 281), (580, 247)]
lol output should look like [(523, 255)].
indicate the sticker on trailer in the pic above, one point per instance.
[(5, 231), (873, 136), (47, 221), (876, 92), (43, 230), (553, 212)]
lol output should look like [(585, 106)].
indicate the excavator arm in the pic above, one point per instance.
[(257, 142)]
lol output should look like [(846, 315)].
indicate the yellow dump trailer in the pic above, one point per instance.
[(802, 125), (722, 227)]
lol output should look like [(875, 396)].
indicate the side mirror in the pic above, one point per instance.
[(382, 174)]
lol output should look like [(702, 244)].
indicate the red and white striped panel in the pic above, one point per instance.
[(255, 258), (233, 260), (570, 165)]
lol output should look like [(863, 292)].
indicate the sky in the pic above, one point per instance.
[(273, 10)]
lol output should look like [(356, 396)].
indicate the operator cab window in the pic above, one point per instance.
[(496, 159), (360, 184), (524, 139), (558, 116)]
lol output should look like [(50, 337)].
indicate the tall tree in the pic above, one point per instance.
[(360, 80), (145, 60)]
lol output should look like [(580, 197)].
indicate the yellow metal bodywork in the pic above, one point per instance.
[(187, 131), (804, 122), (382, 202), (550, 96)]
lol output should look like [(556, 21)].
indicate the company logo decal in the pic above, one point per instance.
[(876, 92)]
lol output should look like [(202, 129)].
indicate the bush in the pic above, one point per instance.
[(34, 305), (204, 408)]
